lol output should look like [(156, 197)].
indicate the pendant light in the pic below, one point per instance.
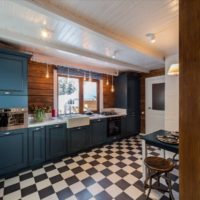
[(112, 86), (47, 71), (174, 69), (84, 76), (90, 77), (67, 74), (107, 81)]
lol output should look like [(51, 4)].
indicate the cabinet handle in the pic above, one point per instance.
[(7, 133), (78, 128), (57, 126), (98, 120), (37, 129), (6, 92)]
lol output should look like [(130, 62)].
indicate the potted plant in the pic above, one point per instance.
[(39, 112)]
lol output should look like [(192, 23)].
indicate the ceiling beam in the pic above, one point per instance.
[(41, 5), (39, 43)]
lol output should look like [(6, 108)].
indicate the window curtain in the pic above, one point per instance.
[(78, 72)]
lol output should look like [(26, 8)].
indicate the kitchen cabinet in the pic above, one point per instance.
[(98, 131), (13, 150), (13, 72), (56, 141), (78, 138), (124, 131), (128, 97), (36, 145)]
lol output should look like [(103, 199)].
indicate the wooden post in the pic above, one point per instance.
[(189, 99)]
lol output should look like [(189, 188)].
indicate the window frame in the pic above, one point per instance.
[(81, 92)]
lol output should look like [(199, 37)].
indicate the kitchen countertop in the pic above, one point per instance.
[(61, 120)]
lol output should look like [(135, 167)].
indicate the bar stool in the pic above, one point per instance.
[(156, 167)]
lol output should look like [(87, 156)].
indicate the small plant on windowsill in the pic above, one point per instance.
[(39, 112)]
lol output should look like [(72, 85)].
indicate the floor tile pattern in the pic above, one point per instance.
[(111, 172)]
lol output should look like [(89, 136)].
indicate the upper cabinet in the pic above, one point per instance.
[(13, 72), (128, 92)]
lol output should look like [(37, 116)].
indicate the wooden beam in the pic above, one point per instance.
[(34, 42), (189, 99), (67, 14)]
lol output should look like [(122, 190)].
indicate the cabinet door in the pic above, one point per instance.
[(99, 131), (133, 125), (133, 100), (13, 74), (56, 141), (78, 138), (124, 131), (13, 150), (36, 138)]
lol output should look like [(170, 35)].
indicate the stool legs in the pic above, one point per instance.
[(168, 181)]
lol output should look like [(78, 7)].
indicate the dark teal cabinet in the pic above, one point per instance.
[(13, 72), (36, 145), (124, 131), (13, 150), (56, 141), (78, 139), (98, 131), (128, 97)]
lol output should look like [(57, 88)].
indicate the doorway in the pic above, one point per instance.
[(154, 103)]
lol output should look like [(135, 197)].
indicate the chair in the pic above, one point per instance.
[(156, 167)]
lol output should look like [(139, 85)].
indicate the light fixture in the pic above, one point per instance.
[(47, 71), (107, 81), (67, 74), (115, 54), (174, 69), (90, 77), (84, 76), (46, 33), (112, 86), (151, 37)]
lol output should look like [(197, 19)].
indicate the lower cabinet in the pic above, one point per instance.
[(98, 131), (133, 125), (36, 145), (56, 141), (78, 138), (13, 150), (124, 131)]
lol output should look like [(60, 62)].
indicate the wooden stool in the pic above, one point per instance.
[(156, 167)]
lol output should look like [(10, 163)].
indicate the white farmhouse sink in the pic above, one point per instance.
[(76, 121)]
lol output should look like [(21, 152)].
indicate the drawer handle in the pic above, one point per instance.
[(6, 92), (7, 133), (98, 120), (78, 128), (57, 126), (37, 129)]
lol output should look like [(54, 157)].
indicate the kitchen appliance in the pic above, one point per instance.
[(11, 118), (114, 126)]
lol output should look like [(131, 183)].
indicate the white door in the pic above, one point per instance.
[(154, 103)]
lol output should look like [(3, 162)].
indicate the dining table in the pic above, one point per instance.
[(152, 140)]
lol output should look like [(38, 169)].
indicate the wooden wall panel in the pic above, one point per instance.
[(189, 99), (143, 76), (108, 96), (40, 88)]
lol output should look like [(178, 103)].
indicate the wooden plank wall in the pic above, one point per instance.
[(189, 34), (41, 89), (143, 76)]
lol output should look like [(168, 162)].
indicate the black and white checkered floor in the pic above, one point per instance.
[(111, 172)]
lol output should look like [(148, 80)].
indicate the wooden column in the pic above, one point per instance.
[(189, 99)]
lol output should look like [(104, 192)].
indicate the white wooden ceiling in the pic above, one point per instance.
[(87, 32)]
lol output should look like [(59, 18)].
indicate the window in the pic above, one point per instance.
[(76, 95), (68, 95), (90, 96)]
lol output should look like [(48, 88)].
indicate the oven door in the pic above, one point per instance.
[(114, 126)]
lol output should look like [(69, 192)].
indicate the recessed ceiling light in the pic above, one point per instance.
[(46, 33), (151, 37)]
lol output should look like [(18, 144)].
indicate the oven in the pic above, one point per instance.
[(11, 118), (114, 126)]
